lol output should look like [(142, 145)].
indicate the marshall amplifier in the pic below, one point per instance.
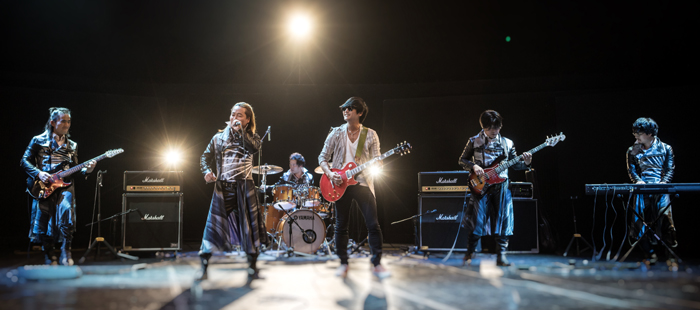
[(155, 224), (152, 181), (457, 182), (437, 231), (443, 182)]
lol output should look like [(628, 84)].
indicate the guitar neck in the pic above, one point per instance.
[(503, 166), (359, 168), (77, 168)]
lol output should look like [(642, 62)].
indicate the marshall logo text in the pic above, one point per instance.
[(443, 217), (442, 180), (153, 180), (149, 217)]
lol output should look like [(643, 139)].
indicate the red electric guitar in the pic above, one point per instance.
[(42, 190), (479, 185), (333, 192)]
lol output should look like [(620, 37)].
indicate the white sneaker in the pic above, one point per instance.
[(342, 271), (380, 272)]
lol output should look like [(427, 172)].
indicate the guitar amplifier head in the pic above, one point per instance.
[(443, 181), (152, 181)]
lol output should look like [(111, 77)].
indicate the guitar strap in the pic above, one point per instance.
[(361, 144)]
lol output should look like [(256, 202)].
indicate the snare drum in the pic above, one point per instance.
[(313, 226), (272, 217), (284, 197)]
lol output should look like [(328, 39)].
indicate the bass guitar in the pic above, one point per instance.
[(42, 190), (478, 185), (332, 192)]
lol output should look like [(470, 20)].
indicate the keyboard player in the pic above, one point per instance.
[(651, 161)]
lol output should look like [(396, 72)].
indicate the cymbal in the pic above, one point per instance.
[(319, 170), (267, 169)]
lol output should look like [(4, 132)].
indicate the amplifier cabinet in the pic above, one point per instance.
[(156, 223), (437, 231)]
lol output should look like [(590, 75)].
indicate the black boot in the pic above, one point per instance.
[(66, 258), (202, 275), (501, 248), (253, 271), (49, 254), (671, 237), (472, 240)]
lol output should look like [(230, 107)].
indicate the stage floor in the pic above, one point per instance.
[(535, 281)]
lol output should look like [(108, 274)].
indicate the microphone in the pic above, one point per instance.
[(236, 123), (269, 135)]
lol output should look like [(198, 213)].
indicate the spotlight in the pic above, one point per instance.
[(173, 157), (300, 26), (375, 170)]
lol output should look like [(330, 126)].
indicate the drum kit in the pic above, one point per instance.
[(297, 217)]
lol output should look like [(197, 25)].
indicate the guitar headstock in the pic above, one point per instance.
[(553, 140), (114, 152), (403, 148)]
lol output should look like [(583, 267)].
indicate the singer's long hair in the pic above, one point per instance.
[(55, 114), (249, 113)]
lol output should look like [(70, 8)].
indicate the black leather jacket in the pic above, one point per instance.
[(654, 165), (474, 154), (213, 154), (37, 156)]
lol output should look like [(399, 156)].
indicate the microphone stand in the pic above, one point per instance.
[(99, 239), (415, 226)]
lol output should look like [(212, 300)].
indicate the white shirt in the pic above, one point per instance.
[(350, 150)]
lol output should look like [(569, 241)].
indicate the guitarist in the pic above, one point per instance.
[(352, 142), (53, 219), (493, 212)]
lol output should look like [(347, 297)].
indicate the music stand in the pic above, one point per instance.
[(99, 239)]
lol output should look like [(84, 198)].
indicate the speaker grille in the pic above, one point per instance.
[(157, 223), (438, 230)]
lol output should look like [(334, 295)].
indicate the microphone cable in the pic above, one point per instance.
[(459, 228)]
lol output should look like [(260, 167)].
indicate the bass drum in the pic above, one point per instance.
[(272, 217), (313, 226)]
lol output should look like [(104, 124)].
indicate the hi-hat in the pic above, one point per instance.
[(267, 169)]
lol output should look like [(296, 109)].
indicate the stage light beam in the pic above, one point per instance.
[(375, 171), (300, 26), (173, 157)]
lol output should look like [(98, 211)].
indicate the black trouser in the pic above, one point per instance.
[(368, 206)]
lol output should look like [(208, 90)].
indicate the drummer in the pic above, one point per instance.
[(297, 174)]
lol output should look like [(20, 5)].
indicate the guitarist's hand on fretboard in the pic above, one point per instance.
[(90, 166), (527, 157)]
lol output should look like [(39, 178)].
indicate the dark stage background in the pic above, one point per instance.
[(152, 75), (596, 122)]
